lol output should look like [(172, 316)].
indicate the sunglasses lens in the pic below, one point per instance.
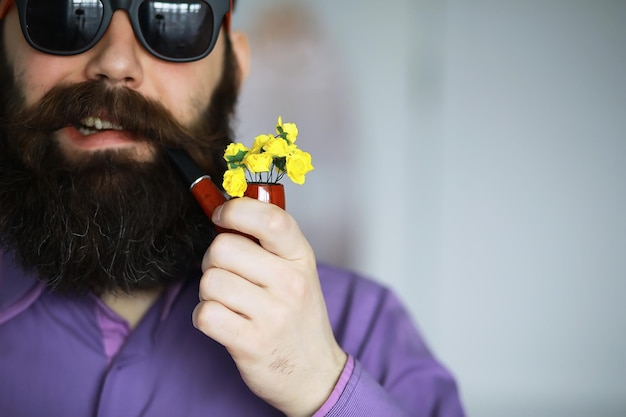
[(63, 26), (178, 30)]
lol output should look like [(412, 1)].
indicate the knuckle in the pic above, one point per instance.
[(294, 282), (207, 283), (210, 318), (278, 221), (201, 316), (219, 241), (206, 261), (298, 289), (220, 247)]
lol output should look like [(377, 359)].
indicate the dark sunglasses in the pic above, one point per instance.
[(176, 31)]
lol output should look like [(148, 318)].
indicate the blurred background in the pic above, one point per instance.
[(471, 155)]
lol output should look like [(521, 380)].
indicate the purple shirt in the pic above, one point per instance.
[(69, 356)]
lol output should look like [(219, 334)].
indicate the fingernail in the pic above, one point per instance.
[(217, 214)]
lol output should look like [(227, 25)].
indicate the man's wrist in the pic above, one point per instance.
[(339, 388)]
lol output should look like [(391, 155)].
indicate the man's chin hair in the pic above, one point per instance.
[(127, 229)]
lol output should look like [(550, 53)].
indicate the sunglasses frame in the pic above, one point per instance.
[(221, 14)]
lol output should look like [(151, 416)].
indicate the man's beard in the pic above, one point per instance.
[(106, 222)]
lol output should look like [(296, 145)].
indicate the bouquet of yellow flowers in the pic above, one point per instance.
[(270, 158)]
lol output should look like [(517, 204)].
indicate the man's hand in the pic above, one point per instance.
[(264, 304)]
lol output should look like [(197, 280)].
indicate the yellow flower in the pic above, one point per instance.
[(260, 141), (258, 162), (277, 147), (289, 128), (268, 160), (234, 150), (235, 182), (234, 154), (298, 165)]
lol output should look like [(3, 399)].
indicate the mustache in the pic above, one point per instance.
[(70, 105)]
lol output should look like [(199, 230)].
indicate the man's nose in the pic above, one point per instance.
[(117, 57)]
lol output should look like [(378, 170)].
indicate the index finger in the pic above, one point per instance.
[(277, 231)]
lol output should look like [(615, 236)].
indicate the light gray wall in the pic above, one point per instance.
[(492, 135), (533, 267)]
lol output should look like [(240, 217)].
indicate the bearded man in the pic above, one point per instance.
[(103, 250)]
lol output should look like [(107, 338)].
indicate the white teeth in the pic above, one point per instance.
[(97, 124)]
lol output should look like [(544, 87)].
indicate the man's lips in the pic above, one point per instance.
[(101, 136), (102, 139)]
